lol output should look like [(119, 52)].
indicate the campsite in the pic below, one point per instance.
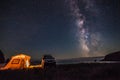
[(81, 71), (18, 62), (19, 67), (59, 39)]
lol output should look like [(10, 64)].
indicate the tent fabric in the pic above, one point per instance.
[(20, 61)]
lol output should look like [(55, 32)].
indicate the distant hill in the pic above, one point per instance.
[(115, 56), (2, 58)]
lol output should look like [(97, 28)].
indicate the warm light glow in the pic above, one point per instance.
[(20, 61), (20, 56), (35, 66), (27, 63)]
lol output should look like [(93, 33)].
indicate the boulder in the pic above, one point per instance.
[(2, 58)]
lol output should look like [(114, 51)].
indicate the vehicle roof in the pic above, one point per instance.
[(47, 56)]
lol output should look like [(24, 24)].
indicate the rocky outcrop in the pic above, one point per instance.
[(112, 57), (2, 58)]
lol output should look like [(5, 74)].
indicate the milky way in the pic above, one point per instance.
[(88, 41), (64, 28)]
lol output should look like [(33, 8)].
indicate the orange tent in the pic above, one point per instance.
[(20, 61)]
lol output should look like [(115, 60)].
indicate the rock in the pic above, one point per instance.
[(112, 56), (2, 58)]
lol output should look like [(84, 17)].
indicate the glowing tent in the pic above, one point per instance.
[(20, 61)]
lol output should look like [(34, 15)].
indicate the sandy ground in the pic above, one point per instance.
[(81, 71)]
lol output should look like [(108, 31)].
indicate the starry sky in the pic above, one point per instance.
[(63, 28)]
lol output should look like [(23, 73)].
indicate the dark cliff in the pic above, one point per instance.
[(115, 56)]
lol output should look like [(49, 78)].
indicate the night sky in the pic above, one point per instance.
[(63, 28)]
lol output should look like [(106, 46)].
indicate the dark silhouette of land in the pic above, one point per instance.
[(115, 56), (78, 71), (83, 71), (2, 58)]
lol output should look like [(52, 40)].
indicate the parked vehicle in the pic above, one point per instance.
[(48, 61)]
